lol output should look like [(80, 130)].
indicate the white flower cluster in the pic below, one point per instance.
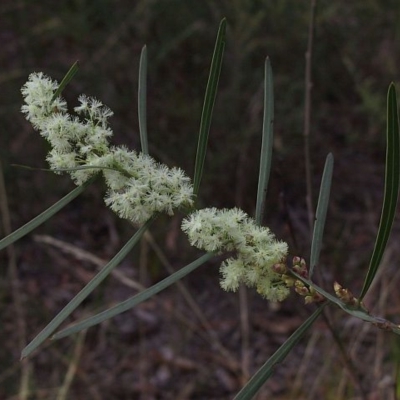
[(256, 249), (38, 92), (138, 186), (146, 187), (75, 143)]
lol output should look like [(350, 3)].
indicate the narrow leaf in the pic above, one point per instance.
[(267, 142), (135, 300), (320, 215), (208, 105), (264, 373), (44, 216), (356, 311), (142, 101), (74, 303), (67, 79), (391, 190)]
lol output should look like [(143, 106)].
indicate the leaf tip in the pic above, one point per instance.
[(222, 25)]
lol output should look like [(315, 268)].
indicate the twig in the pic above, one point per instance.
[(72, 368), (245, 333), (306, 361), (84, 255), (192, 304), (346, 359), (143, 279), (16, 290)]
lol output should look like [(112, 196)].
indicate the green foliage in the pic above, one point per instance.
[(85, 292), (266, 143), (320, 215), (135, 300), (254, 30), (391, 191), (142, 101), (265, 372), (67, 79), (44, 216), (209, 100)]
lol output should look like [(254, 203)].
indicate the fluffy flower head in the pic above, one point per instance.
[(138, 186), (256, 249), (38, 93)]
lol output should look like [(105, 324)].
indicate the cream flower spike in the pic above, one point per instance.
[(257, 250), (139, 187)]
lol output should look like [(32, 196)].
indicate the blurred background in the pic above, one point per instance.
[(195, 341)]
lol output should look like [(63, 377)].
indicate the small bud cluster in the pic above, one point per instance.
[(138, 186), (300, 267), (345, 295), (257, 250)]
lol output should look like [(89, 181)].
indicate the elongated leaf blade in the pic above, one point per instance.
[(208, 105), (67, 79), (391, 190), (267, 142), (358, 312), (44, 216), (74, 303), (320, 215), (265, 372), (142, 101), (135, 300)]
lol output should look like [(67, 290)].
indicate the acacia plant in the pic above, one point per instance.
[(140, 188)]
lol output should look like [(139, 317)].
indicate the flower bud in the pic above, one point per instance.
[(302, 271), (301, 289), (344, 295), (308, 299), (288, 280), (279, 268), (296, 260)]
